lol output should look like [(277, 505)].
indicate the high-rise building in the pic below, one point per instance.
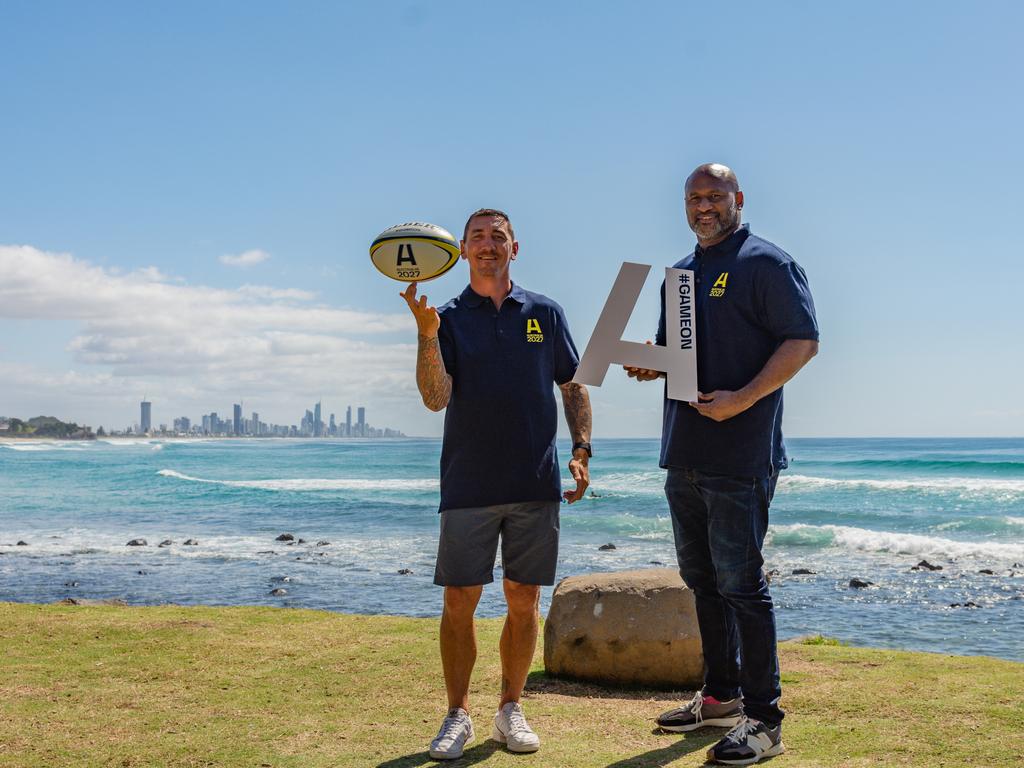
[(361, 422), (333, 431), (318, 424), (146, 422), (238, 419), (348, 421), (255, 423)]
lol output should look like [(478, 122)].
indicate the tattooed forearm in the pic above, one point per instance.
[(577, 411), (434, 383)]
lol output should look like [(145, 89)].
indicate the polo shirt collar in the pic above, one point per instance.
[(729, 246), (473, 299)]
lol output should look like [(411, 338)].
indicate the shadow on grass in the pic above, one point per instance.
[(539, 682), (471, 756), (680, 747)]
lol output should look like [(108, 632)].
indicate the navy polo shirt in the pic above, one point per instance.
[(750, 296), (501, 420)]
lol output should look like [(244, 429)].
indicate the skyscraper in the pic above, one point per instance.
[(238, 419), (146, 422), (318, 424), (361, 423), (348, 421)]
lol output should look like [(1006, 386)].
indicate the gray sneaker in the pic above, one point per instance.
[(747, 743), (456, 732), (512, 730), (700, 712)]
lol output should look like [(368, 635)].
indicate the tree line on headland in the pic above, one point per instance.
[(45, 426)]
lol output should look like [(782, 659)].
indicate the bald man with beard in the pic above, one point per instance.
[(756, 328)]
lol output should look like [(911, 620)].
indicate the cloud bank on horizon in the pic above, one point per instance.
[(193, 347)]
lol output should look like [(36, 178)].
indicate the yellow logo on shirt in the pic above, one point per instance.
[(718, 289), (533, 332)]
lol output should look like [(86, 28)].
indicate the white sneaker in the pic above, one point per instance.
[(456, 732), (511, 729)]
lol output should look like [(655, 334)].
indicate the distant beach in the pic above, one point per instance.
[(935, 528)]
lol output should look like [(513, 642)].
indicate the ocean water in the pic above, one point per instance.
[(851, 508)]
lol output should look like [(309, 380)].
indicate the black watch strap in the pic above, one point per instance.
[(585, 446)]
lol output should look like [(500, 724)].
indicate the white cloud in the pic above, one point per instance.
[(193, 349), (245, 259)]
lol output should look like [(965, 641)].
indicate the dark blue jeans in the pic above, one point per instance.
[(720, 523)]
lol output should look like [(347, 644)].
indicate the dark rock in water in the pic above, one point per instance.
[(405, 572), (136, 543), (285, 537), (769, 575), (165, 543), (928, 566), (281, 578), (655, 562), (279, 592), (606, 547), (987, 571), (267, 552), (143, 573), (70, 583), (803, 572), (322, 543), (301, 541), (21, 544), (860, 583), (968, 604), (191, 543)]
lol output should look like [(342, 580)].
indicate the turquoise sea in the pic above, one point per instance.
[(852, 508)]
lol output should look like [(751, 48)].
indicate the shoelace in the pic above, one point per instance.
[(743, 729), (450, 727), (696, 705), (517, 720)]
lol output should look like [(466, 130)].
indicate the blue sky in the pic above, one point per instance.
[(144, 145)]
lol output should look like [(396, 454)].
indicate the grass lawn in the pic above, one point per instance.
[(255, 687)]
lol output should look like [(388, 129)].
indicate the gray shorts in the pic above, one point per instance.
[(469, 542)]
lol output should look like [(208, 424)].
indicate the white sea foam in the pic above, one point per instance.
[(316, 484), (44, 446), (863, 540), (938, 484), (1010, 520)]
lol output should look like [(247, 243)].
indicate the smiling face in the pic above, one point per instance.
[(489, 246), (713, 205)]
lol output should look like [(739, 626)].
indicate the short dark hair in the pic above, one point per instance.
[(488, 212)]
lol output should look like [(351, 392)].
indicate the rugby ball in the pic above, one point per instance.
[(415, 251)]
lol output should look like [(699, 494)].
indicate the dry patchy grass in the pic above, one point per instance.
[(173, 686)]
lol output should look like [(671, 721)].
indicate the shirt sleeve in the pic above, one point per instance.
[(787, 309), (566, 357), (447, 344)]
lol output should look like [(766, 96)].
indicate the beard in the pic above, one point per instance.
[(720, 226)]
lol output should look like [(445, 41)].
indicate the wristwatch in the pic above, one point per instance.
[(585, 446)]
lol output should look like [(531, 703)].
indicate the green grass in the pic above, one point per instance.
[(254, 687)]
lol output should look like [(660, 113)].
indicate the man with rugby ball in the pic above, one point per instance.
[(492, 357)]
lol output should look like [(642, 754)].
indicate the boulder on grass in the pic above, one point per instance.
[(626, 628)]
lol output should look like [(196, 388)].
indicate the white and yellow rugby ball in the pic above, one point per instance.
[(415, 251)]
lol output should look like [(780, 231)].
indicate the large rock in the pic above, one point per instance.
[(625, 628)]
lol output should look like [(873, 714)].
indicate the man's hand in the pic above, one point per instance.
[(641, 374), (721, 404), (581, 474), (427, 319)]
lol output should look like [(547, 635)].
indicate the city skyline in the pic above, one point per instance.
[(311, 424)]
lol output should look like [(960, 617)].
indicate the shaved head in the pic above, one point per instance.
[(716, 171), (713, 203)]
